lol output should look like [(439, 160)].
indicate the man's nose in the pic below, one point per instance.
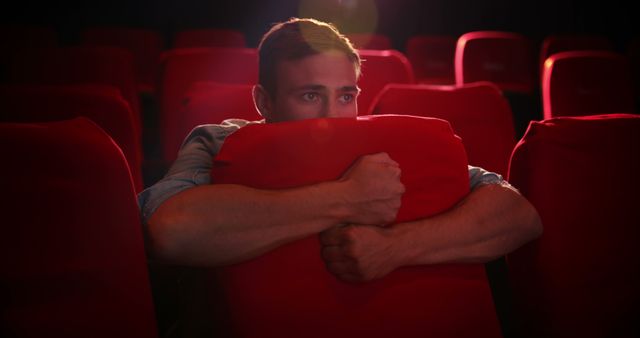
[(332, 109)]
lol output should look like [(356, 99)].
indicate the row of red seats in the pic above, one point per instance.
[(432, 57), (185, 103), (63, 277)]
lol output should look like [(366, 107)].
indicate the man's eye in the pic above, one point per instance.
[(310, 97), (346, 98)]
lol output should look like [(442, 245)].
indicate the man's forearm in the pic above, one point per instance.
[(492, 221), (224, 224)]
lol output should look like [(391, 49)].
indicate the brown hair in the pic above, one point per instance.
[(296, 39)]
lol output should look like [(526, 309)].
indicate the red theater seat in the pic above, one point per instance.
[(370, 41), (503, 58), (181, 68), (289, 293), (209, 37), (478, 113), (586, 83), (144, 44), (432, 58), (580, 279), (102, 104), (379, 68), (79, 65), (71, 243), (211, 102), (565, 43)]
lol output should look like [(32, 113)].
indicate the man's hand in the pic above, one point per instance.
[(358, 253), (373, 190)]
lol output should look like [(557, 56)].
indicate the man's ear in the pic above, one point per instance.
[(263, 102)]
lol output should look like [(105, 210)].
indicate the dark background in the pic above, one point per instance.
[(397, 18)]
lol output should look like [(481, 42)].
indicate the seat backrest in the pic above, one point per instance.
[(432, 58), (581, 277), (503, 58), (565, 43), (144, 44), (71, 243), (478, 113), (209, 37), (586, 83), (79, 65), (103, 104), (212, 102), (181, 68), (370, 41), (379, 68), (297, 296)]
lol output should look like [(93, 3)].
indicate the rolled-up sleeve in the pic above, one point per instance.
[(191, 168), (479, 177)]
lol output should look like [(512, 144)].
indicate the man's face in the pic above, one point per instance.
[(317, 86)]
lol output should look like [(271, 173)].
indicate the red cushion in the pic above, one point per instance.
[(289, 293), (580, 279)]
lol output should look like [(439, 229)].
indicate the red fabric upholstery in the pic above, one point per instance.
[(211, 102), (565, 43), (370, 41), (209, 38), (432, 58), (102, 104), (71, 244), (478, 113), (503, 58), (182, 67), (581, 278), (586, 83), (79, 65), (289, 293), (379, 68), (144, 44)]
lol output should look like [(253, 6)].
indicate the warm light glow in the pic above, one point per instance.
[(347, 15)]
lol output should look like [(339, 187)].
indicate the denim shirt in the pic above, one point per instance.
[(193, 165)]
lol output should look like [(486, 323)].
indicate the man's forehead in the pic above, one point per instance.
[(329, 69)]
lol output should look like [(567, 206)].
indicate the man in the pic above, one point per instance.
[(309, 70)]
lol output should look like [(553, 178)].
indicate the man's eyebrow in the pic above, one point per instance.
[(313, 87), (317, 87), (349, 89)]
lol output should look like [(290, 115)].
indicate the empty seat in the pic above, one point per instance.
[(181, 68), (564, 43), (102, 104), (586, 83), (379, 68), (581, 278), (432, 58), (478, 113), (209, 37), (71, 242), (144, 44), (79, 65), (211, 102), (370, 41), (503, 58)]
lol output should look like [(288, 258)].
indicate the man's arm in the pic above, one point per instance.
[(491, 221), (223, 224)]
